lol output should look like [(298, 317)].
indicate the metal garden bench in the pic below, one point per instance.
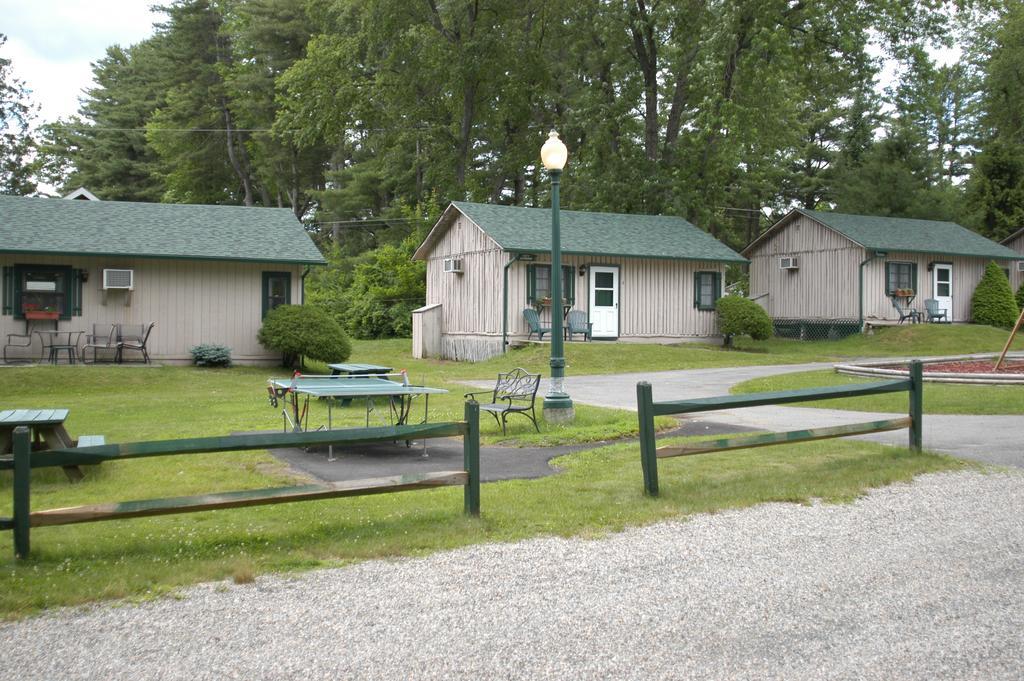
[(514, 393)]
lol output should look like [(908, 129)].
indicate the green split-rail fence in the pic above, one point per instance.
[(25, 460), (647, 409)]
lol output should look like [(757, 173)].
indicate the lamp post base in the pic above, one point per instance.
[(559, 409)]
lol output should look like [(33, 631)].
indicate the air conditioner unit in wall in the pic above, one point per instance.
[(119, 279), (788, 264), (1020, 265), (453, 265)]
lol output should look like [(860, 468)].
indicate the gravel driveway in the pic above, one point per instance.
[(914, 581)]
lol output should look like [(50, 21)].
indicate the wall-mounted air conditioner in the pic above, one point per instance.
[(788, 264), (453, 265), (1020, 265), (119, 279)]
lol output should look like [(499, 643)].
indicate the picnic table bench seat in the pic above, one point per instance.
[(514, 393)]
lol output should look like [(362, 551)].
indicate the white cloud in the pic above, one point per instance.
[(51, 44)]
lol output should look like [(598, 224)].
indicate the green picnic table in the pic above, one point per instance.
[(46, 427), (353, 369)]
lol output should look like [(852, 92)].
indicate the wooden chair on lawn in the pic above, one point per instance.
[(935, 314), (577, 322), (533, 319)]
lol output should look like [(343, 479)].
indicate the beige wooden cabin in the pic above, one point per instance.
[(814, 265), (204, 274), (639, 278)]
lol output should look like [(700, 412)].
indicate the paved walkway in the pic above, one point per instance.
[(992, 439)]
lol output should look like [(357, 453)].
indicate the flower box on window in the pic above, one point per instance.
[(41, 314)]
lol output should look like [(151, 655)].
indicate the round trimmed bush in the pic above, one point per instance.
[(739, 316), (1020, 296), (301, 331), (993, 302)]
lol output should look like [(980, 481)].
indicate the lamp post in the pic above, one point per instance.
[(557, 405)]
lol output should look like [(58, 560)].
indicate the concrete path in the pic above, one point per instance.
[(992, 439)]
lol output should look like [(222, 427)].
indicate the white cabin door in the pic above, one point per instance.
[(942, 288), (604, 301)]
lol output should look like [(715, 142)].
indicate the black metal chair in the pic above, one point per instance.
[(17, 340), (134, 344), (514, 393), (97, 340)]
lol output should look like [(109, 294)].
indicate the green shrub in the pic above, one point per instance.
[(739, 316), (1020, 296), (993, 302), (301, 331), (210, 355)]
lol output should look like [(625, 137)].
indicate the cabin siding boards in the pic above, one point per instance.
[(1015, 242), (655, 295), (192, 302), (820, 286)]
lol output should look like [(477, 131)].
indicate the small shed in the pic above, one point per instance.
[(204, 274), (643, 278), (824, 266)]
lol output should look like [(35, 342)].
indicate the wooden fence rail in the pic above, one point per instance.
[(24, 461), (647, 409)]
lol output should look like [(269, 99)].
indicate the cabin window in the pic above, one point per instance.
[(707, 289), (900, 275), (39, 291), (538, 284), (277, 290)]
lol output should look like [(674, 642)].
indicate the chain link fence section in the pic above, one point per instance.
[(815, 329)]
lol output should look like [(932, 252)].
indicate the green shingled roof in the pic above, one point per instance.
[(153, 230), (611, 234), (915, 236)]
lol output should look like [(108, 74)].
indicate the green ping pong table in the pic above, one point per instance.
[(294, 394)]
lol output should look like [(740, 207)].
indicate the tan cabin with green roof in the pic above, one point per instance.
[(640, 278), (204, 274), (833, 267)]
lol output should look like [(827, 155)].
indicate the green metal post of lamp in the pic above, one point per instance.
[(557, 405)]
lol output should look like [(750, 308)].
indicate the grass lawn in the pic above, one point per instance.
[(600, 491), (939, 398)]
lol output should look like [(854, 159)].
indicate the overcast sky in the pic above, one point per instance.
[(51, 44)]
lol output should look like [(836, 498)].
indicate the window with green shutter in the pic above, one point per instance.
[(538, 283), (277, 290), (43, 289), (900, 276), (707, 289)]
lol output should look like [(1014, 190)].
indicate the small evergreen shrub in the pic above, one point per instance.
[(210, 355), (1020, 296), (993, 302), (739, 316), (301, 331)]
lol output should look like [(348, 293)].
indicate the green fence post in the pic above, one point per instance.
[(916, 405), (648, 449), (471, 459), (22, 478)]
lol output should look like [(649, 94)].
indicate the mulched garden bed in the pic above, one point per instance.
[(974, 366)]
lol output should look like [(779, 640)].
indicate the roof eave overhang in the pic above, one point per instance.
[(162, 256), (594, 254)]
